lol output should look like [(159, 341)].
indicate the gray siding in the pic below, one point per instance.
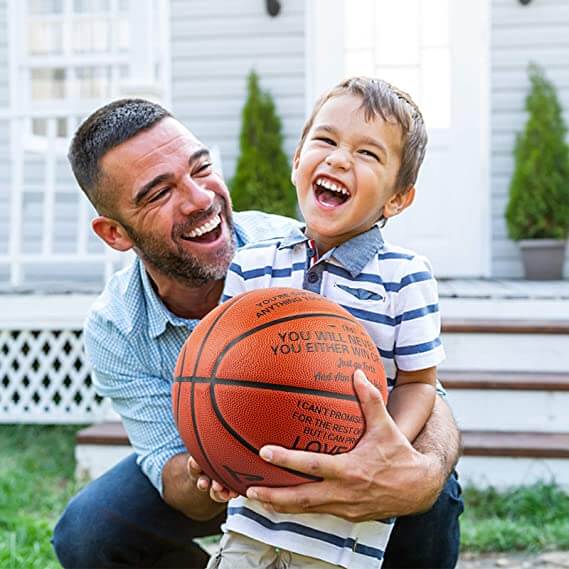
[(4, 136), (538, 32), (214, 45)]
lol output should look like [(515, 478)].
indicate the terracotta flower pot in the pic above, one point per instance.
[(543, 258)]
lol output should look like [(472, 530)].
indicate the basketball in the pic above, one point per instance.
[(271, 366)]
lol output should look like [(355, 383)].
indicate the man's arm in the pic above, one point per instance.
[(383, 476)]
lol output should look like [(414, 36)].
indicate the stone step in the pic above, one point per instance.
[(490, 457)]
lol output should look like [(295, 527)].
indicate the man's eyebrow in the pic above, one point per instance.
[(149, 186)]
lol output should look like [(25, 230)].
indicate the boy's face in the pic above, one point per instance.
[(345, 172)]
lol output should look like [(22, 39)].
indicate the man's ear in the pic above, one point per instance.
[(112, 233), (399, 202)]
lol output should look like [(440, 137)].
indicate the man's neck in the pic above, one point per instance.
[(184, 300)]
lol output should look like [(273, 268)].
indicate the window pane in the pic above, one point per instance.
[(434, 25), (359, 24), (94, 82), (48, 84), (397, 29), (45, 6), (435, 101), (45, 37), (359, 62), (122, 34), (90, 6), (61, 128), (91, 35), (39, 127)]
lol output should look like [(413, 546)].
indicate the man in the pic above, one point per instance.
[(156, 192)]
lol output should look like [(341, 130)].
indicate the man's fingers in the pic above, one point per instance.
[(312, 463), (375, 413)]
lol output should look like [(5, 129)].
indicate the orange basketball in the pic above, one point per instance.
[(271, 366)]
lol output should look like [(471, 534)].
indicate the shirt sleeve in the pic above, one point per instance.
[(235, 282), (142, 399), (418, 324)]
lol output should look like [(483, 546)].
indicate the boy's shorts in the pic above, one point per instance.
[(237, 551)]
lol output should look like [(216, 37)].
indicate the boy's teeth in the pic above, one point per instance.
[(205, 228), (331, 186)]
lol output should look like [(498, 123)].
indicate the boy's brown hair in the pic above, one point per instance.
[(392, 105)]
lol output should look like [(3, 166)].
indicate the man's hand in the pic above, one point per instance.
[(383, 476), (217, 492)]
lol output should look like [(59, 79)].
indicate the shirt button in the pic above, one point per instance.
[(313, 278)]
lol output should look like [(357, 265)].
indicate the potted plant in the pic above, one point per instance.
[(537, 214)]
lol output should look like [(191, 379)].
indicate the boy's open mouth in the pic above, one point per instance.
[(206, 233), (330, 194)]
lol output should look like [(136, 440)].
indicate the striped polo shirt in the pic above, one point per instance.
[(392, 292)]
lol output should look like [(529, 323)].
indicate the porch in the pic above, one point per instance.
[(507, 374)]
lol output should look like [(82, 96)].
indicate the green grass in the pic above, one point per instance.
[(533, 518), (36, 481)]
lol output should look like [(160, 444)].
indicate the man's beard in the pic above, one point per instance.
[(181, 265)]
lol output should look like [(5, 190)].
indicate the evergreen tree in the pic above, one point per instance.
[(262, 178), (538, 207)]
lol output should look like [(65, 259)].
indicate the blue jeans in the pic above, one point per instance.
[(120, 520)]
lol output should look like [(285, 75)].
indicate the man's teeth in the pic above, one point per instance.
[(205, 228), (325, 183)]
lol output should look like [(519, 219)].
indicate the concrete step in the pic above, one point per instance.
[(511, 344), (490, 457), (508, 401)]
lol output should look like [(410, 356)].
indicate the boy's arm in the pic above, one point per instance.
[(412, 399), (383, 476)]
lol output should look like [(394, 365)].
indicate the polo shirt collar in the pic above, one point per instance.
[(353, 255), (158, 315)]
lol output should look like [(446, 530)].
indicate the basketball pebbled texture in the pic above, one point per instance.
[(271, 366)]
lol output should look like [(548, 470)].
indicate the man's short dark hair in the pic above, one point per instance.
[(106, 128)]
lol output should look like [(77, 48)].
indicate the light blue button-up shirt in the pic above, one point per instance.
[(132, 342)]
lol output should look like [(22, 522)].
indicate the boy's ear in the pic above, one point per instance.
[(399, 202), (295, 162), (112, 233)]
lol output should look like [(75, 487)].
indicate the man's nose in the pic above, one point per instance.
[(194, 196), (339, 158)]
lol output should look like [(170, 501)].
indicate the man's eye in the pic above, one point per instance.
[(159, 194), (204, 168)]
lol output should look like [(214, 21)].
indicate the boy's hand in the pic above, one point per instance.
[(217, 492)]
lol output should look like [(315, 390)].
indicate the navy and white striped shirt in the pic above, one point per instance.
[(392, 292)]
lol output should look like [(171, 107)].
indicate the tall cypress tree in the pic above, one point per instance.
[(538, 207), (262, 177)]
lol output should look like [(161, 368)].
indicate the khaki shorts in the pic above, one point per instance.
[(237, 551)]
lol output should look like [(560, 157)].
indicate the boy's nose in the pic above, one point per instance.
[(195, 197), (339, 158)]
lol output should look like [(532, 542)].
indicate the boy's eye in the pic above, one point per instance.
[(370, 153), (325, 139)]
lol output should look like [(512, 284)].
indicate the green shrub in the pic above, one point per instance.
[(538, 207), (262, 178)]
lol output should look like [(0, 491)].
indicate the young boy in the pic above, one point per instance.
[(355, 166)]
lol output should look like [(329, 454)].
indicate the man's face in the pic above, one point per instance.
[(346, 170), (174, 207)]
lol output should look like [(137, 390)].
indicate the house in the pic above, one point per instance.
[(464, 62)]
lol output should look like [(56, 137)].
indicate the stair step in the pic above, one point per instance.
[(475, 443), (506, 380), (456, 325)]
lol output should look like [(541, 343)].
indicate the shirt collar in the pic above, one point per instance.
[(353, 254), (159, 315)]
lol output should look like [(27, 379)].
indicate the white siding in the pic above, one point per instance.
[(4, 137), (214, 45), (538, 32)]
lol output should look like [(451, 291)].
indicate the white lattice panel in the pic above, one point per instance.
[(44, 378)]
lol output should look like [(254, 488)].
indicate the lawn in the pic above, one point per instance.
[(36, 480)]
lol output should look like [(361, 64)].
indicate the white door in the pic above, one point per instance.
[(437, 50)]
